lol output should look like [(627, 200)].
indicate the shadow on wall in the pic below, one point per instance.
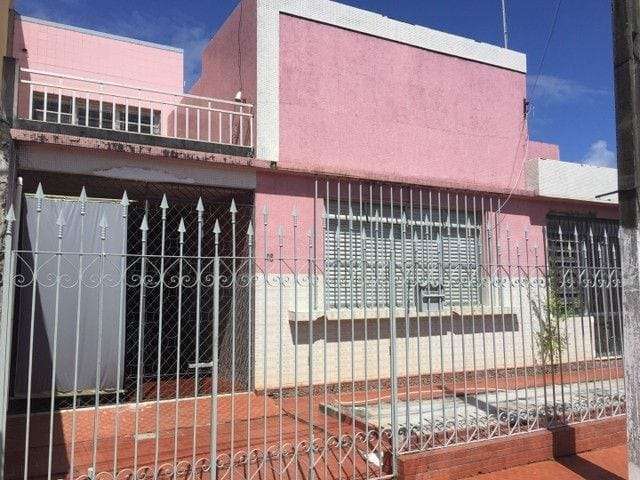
[(413, 328)]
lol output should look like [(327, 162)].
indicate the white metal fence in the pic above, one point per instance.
[(507, 333), (93, 103)]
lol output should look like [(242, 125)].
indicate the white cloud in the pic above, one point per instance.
[(599, 155), (552, 89)]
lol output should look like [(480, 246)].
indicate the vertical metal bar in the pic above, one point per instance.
[(596, 273), (209, 121), (485, 272), (350, 265), (196, 389), (230, 129), (542, 279), (234, 280), (139, 112), (310, 309), (251, 131), (6, 322), (144, 229), (392, 353), (519, 279), (605, 314), (492, 281), (59, 112), (39, 196), (579, 283), (265, 282), (294, 218), (213, 441), (197, 123), (60, 223), (250, 335), (280, 235), (469, 271), (100, 106), (515, 415), (175, 121), (86, 111), (338, 290), (73, 107), (30, 101), (564, 342), (46, 105), (500, 270), (83, 205), (241, 121), (96, 413), (220, 127), (176, 423), (325, 363), (164, 205), (589, 310), (618, 327), (548, 275), (529, 281), (458, 267), (609, 287), (405, 309)]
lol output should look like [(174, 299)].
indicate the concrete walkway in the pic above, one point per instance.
[(605, 464)]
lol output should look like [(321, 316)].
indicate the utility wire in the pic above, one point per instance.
[(524, 120)]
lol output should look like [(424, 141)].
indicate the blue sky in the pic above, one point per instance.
[(573, 101)]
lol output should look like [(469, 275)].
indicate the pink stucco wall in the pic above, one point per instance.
[(280, 194), (356, 104), (68, 51), (229, 59), (547, 151)]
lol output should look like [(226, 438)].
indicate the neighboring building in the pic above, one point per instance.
[(314, 117)]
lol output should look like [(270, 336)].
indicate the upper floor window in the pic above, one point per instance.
[(93, 113)]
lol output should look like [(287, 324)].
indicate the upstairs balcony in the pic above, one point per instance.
[(87, 107)]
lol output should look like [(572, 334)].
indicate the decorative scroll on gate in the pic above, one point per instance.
[(371, 321)]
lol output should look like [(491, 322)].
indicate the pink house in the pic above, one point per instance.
[(340, 250)]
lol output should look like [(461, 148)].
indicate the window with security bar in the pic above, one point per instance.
[(433, 257), (584, 262)]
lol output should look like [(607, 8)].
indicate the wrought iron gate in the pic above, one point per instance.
[(365, 323)]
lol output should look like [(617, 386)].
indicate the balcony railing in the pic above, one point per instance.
[(71, 100)]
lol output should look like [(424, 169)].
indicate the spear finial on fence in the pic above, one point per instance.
[(280, 235), (233, 210), (164, 205), (60, 223), (103, 226), (83, 201), (10, 217), (294, 215), (200, 206), (39, 197), (216, 231), (181, 230), (144, 227), (9, 220), (265, 214), (250, 231)]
